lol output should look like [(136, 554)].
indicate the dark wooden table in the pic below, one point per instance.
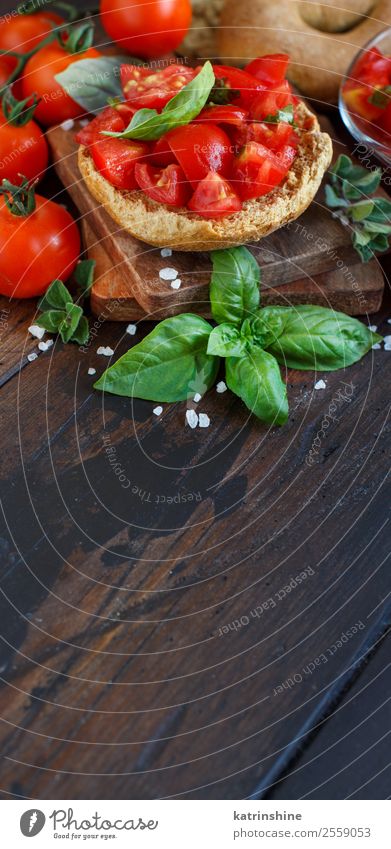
[(212, 625)]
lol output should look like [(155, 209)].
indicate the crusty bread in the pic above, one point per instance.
[(161, 225)]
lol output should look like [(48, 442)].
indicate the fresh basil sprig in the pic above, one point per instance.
[(349, 196), (59, 312), (284, 116), (148, 124), (181, 356)]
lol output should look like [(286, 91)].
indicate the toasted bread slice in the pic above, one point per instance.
[(163, 226)]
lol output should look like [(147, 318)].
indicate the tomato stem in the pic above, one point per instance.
[(18, 112), (20, 200)]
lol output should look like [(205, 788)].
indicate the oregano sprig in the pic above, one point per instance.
[(349, 195), (60, 314)]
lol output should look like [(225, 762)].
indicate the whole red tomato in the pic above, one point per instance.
[(39, 77), (36, 248), (23, 147), (146, 29), (7, 65), (21, 33)]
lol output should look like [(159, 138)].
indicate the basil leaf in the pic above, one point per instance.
[(84, 275), (51, 320), (70, 321), (170, 364), (56, 297), (282, 116), (82, 332), (149, 124), (267, 325), (92, 82), (226, 341), (234, 288), (319, 338), (256, 379)]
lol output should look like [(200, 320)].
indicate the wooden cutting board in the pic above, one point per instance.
[(311, 260)]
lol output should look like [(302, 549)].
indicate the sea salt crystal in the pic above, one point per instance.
[(158, 411), (37, 331), (44, 346), (387, 340), (68, 125), (388, 320), (372, 327), (203, 420), (376, 346), (92, 371), (387, 347), (168, 273), (105, 352), (192, 418), (221, 387), (131, 329), (32, 357), (176, 284), (197, 397), (165, 252), (320, 385)]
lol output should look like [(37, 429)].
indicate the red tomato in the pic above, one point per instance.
[(270, 69), (7, 64), (21, 33), (167, 185), (270, 101), (223, 115), (145, 88), (214, 197), (273, 136), (36, 249), (372, 67), (200, 148), (161, 153), (384, 122), (39, 76), (357, 101), (115, 159), (257, 169), (236, 80), (146, 29), (23, 150), (110, 120)]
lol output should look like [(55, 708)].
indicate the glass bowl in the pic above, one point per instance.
[(375, 140)]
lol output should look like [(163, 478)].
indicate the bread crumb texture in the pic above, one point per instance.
[(162, 226)]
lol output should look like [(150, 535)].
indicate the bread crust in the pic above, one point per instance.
[(162, 226)]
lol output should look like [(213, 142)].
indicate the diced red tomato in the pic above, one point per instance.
[(214, 197), (200, 148), (269, 69), (126, 110), (167, 185), (357, 101), (233, 115), (257, 170), (145, 88), (115, 159), (110, 119), (273, 136), (372, 67), (243, 84), (269, 102), (161, 153)]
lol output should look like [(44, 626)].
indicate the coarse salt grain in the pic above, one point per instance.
[(372, 327), (37, 331), (131, 329), (157, 411), (92, 371), (168, 273), (44, 346), (387, 340), (105, 352), (32, 357), (388, 320), (376, 346), (165, 252), (320, 384), (68, 125), (176, 284), (197, 397), (387, 347), (192, 418), (221, 387), (203, 420)]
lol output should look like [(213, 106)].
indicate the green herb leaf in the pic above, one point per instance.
[(84, 275), (333, 200), (149, 124), (170, 364), (317, 338), (381, 97), (226, 341), (91, 82), (256, 379), (67, 328), (82, 332), (361, 210), (266, 326), (284, 116), (234, 288), (51, 320), (56, 297)]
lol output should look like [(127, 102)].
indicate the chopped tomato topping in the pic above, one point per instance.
[(214, 197), (110, 119), (167, 185), (223, 115), (200, 148), (257, 170), (270, 70), (115, 159), (145, 88)]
